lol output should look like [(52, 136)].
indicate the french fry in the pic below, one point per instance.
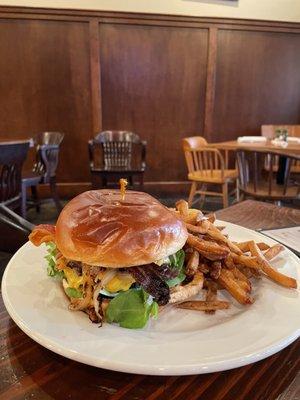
[(215, 269), (239, 275), (233, 287), (242, 280), (244, 246), (201, 228), (203, 268), (276, 276), (211, 217), (188, 215), (214, 233), (211, 294), (263, 246), (250, 262), (249, 273), (221, 263), (183, 207), (192, 264), (209, 250), (229, 262), (273, 251), (198, 305)]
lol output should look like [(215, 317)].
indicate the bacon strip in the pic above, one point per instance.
[(42, 234)]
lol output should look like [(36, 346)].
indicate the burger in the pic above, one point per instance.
[(120, 259)]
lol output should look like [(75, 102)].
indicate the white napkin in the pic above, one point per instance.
[(252, 139), (279, 143), (292, 139)]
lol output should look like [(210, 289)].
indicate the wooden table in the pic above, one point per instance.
[(28, 371), (292, 148)]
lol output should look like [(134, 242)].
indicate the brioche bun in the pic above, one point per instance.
[(99, 228)]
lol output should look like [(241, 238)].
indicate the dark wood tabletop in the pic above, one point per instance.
[(28, 371)]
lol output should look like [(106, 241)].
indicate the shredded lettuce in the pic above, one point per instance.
[(177, 262), (51, 259), (131, 309), (72, 292)]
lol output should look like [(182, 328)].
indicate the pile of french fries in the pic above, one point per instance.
[(223, 263)]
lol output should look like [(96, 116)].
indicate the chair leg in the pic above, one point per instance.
[(225, 195), (93, 181), (141, 181), (202, 197), (104, 181), (35, 197), (237, 194), (54, 193), (192, 193), (23, 200)]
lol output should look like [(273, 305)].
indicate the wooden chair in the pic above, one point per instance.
[(13, 229), (51, 138), (256, 182), (115, 155), (44, 170), (206, 165)]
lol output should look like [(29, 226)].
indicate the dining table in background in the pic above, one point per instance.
[(29, 371), (233, 145)]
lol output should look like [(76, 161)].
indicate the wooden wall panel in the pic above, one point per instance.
[(161, 76), (45, 85), (153, 83), (257, 82)]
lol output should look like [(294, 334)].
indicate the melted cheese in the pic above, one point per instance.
[(119, 282), (73, 279)]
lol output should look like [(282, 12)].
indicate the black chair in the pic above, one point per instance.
[(14, 229), (275, 183), (117, 154), (52, 138), (44, 170)]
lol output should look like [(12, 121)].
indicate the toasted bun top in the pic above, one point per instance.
[(99, 228)]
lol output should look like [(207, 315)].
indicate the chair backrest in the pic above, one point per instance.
[(269, 131), (46, 161), (255, 178), (193, 142), (117, 148), (49, 138), (12, 157), (203, 158)]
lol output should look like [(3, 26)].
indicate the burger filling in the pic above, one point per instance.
[(126, 296)]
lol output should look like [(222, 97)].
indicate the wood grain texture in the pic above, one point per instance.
[(258, 215), (153, 83), (27, 370), (257, 82), (45, 85), (210, 82), (95, 77)]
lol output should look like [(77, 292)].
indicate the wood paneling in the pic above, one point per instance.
[(45, 85), (258, 82), (153, 83), (162, 76)]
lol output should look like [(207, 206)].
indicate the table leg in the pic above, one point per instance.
[(281, 172)]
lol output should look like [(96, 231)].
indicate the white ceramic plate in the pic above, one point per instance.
[(180, 342)]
